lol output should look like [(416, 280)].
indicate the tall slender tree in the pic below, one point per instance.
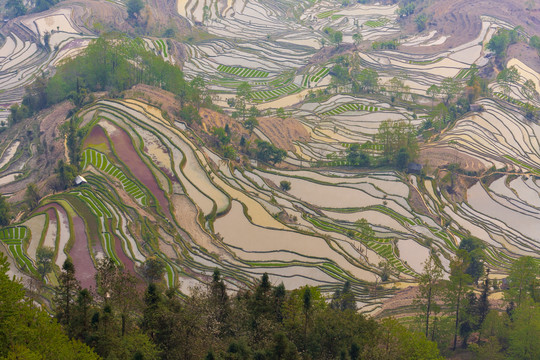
[(523, 281), (66, 293), (5, 211), (44, 260), (456, 287), (429, 288)]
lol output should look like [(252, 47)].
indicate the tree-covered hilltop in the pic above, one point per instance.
[(112, 63)]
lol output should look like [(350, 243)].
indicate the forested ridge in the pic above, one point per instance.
[(126, 319), (111, 63)]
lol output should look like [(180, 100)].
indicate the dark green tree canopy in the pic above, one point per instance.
[(134, 8)]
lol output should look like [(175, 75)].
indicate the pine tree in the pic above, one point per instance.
[(152, 301), (81, 315), (344, 299), (66, 293), (219, 302)]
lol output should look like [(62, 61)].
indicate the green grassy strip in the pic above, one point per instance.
[(425, 62), (272, 94), (13, 233), (243, 72), (305, 81), (521, 163), (102, 213), (351, 107), (163, 47), (466, 73), (377, 23), (101, 162), (511, 100), (13, 237), (368, 146), (326, 14), (320, 74)]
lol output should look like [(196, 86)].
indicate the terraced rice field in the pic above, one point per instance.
[(13, 238), (23, 56), (156, 189), (326, 14), (376, 23), (319, 75), (243, 72), (266, 95), (101, 162), (351, 107), (276, 50)]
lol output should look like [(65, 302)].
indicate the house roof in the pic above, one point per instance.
[(80, 180), (415, 166)]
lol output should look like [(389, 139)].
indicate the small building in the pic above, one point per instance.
[(477, 108), (414, 168), (80, 180)]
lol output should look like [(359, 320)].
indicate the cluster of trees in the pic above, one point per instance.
[(398, 141), (268, 152), (356, 156), (499, 42), (222, 137), (407, 9), (535, 42), (367, 81), (336, 37), (509, 76), (5, 211), (382, 45), (121, 320), (134, 8), (506, 77), (421, 22), (454, 309), (27, 331), (447, 111), (15, 8)]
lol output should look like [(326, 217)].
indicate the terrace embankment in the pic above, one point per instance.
[(42, 161), (434, 157), (166, 100), (129, 156), (283, 132), (211, 119), (526, 54), (459, 20)]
